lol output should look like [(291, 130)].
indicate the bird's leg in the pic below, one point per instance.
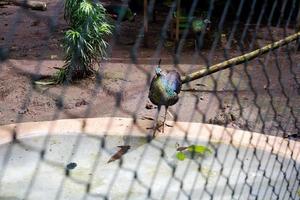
[(171, 115), (156, 127), (166, 111), (157, 124), (197, 42)]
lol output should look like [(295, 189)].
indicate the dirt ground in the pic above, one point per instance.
[(262, 96)]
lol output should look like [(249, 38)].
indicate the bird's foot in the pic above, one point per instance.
[(158, 127)]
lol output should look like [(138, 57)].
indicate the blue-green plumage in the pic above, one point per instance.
[(164, 89)]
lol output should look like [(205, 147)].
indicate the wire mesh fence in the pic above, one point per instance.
[(232, 133)]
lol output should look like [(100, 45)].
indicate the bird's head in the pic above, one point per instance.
[(207, 23), (158, 71)]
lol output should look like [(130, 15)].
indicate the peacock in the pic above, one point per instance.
[(165, 86), (200, 26), (164, 90)]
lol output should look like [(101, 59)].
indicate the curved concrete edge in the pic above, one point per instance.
[(126, 126)]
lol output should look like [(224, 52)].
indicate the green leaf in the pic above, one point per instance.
[(298, 192), (207, 172), (44, 82), (180, 156), (199, 149), (86, 7)]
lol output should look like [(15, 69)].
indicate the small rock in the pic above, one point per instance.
[(53, 57), (81, 103), (149, 106), (22, 111), (71, 166)]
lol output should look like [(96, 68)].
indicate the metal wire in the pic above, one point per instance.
[(261, 96)]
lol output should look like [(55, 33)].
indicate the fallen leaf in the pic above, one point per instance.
[(195, 149), (81, 103), (189, 90), (148, 118), (180, 156), (120, 153), (207, 172), (181, 148), (45, 82), (199, 149), (200, 84), (168, 125)]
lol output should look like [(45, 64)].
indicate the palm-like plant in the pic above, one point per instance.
[(85, 41)]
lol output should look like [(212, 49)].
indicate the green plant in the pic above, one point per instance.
[(192, 150), (85, 41)]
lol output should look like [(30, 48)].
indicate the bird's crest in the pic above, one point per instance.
[(207, 21), (158, 70)]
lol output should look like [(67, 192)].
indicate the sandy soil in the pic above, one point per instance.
[(263, 96)]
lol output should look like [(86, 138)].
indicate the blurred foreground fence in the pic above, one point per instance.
[(233, 134)]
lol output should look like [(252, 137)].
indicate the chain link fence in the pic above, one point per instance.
[(233, 134)]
